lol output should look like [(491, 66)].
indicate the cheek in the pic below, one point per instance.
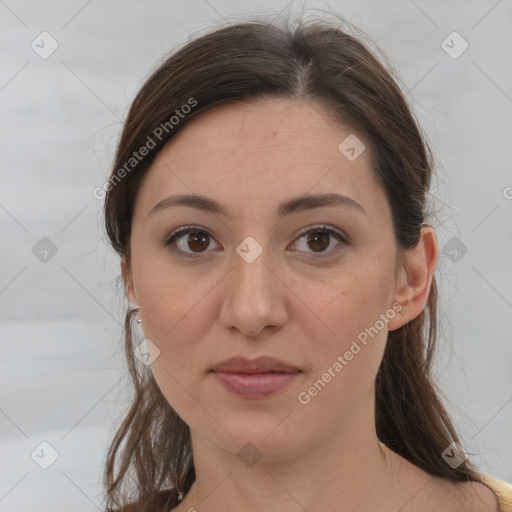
[(354, 307), (347, 359), (170, 297), (354, 347), (350, 302), (177, 317)]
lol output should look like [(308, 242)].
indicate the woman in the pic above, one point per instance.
[(268, 204)]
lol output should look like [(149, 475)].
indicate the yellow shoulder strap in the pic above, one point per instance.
[(502, 489)]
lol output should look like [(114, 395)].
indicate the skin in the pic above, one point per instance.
[(289, 303)]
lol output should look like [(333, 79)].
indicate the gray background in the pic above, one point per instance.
[(62, 374)]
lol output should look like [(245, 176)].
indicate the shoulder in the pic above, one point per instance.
[(502, 489)]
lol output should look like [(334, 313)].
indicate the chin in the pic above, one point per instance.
[(263, 436)]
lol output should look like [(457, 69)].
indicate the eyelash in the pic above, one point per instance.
[(180, 232)]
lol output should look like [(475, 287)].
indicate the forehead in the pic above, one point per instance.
[(254, 154), (265, 126)]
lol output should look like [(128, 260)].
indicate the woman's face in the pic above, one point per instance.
[(265, 280)]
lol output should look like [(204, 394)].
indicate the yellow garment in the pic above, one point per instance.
[(502, 489)]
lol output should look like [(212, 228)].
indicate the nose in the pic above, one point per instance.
[(255, 297)]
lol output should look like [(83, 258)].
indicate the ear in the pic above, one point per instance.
[(128, 281), (414, 279)]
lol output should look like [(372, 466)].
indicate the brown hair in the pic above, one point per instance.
[(325, 64)]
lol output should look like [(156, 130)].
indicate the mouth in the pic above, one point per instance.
[(257, 378)]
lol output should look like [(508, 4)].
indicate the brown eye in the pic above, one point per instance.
[(196, 243), (319, 239)]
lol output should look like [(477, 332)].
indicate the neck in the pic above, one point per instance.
[(349, 470)]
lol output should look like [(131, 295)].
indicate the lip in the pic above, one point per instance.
[(255, 378), (262, 364)]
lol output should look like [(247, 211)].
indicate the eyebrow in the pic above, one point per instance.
[(295, 204)]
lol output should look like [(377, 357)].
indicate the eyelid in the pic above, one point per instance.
[(322, 227), (175, 235)]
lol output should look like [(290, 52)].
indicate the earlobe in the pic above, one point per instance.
[(415, 279), (128, 282)]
